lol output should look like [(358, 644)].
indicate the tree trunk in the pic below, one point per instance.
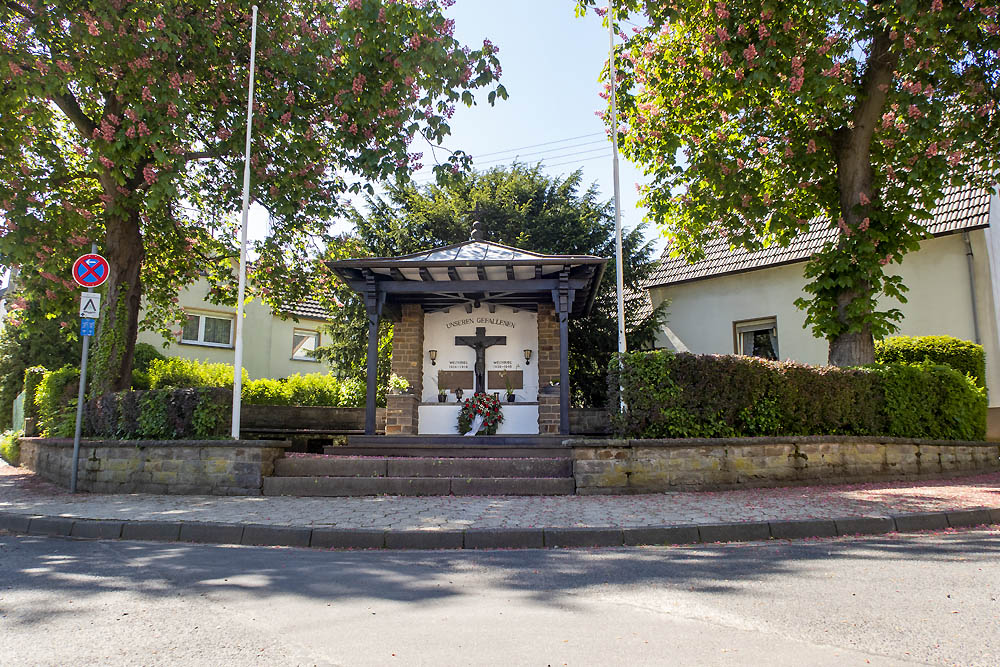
[(119, 323), (854, 180), (851, 349)]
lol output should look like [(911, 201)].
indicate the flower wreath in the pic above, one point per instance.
[(487, 405)]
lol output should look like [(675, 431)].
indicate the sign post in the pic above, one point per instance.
[(88, 271)]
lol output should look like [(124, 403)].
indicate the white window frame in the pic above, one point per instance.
[(742, 326), (296, 331), (201, 329)]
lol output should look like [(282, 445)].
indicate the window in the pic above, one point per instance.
[(208, 330), (757, 338), (304, 344)]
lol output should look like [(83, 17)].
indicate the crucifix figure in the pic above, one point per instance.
[(479, 343)]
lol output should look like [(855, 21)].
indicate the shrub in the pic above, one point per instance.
[(32, 378), (266, 391), (313, 389), (353, 392), (55, 401), (178, 373), (145, 355), (671, 395), (161, 414), (964, 356), (10, 447)]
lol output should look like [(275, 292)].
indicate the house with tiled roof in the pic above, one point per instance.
[(735, 301), (276, 344)]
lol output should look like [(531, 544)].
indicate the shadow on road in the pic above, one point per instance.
[(76, 569)]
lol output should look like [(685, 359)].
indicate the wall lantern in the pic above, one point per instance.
[(527, 357), (434, 356)]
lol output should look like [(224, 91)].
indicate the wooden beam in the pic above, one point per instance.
[(425, 275), (481, 272), (397, 274), (510, 272), (453, 273)]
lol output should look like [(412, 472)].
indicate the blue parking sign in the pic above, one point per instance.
[(87, 326)]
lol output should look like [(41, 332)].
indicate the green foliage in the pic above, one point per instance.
[(962, 355), (10, 447), (32, 378), (55, 400), (398, 384), (28, 338), (930, 400), (211, 419), (519, 206), (145, 355), (760, 121), (671, 395), (312, 389), (177, 372), (153, 418), (160, 414), (128, 125)]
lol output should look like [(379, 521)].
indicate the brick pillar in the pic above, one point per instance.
[(548, 369), (407, 362)]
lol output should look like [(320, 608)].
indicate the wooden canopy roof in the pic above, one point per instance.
[(473, 273)]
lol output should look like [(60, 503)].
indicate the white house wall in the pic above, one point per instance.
[(267, 339), (701, 313)]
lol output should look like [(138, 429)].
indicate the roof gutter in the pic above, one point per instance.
[(970, 259)]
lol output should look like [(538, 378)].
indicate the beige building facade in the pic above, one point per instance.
[(273, 346), (744, 303)]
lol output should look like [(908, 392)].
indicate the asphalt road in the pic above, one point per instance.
[(882, 601)]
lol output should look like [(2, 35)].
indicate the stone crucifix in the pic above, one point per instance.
[(479, 343)]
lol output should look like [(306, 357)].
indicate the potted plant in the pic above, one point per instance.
[(442, 391), (510, 388)]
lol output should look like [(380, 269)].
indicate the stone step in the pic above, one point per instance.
[(417, 486), (338, 466), (450, 451)]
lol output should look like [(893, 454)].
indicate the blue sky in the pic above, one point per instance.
[(551, 62)]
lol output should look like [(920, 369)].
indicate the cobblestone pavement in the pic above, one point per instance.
[(24, 492)]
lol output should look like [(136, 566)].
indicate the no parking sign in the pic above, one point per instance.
[(91, 270)]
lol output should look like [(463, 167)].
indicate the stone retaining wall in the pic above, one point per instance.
[(195, 467), (263, 418), (654, 466)]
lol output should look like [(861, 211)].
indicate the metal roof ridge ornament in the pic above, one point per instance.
[(477, 223)]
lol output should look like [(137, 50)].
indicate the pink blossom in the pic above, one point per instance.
[(863, 198), (863, 227), (108, 164), (750, 53), (146, 94), (811, 147), (64, 66), (172, 110), (149, 173), (706, 73), (932, 150), (15, 70)]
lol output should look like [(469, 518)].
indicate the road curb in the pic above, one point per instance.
[(487, 538)]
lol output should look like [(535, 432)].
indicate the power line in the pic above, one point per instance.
[(544, 143), (547, 150), (585, 159)]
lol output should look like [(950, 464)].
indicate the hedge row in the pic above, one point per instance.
[(320, 389), (160, 414), (964, 356), (684, 395)]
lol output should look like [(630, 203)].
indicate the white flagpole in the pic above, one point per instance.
[(619, 268), (238, 356)]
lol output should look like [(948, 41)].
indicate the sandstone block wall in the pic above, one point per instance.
[(548, 369), (655, 466), (195, 467), (407, 362)]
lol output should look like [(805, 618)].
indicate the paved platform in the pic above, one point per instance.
[(31, 505)]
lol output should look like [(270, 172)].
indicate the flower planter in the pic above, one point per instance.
[(510, 398), (442, 398)]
